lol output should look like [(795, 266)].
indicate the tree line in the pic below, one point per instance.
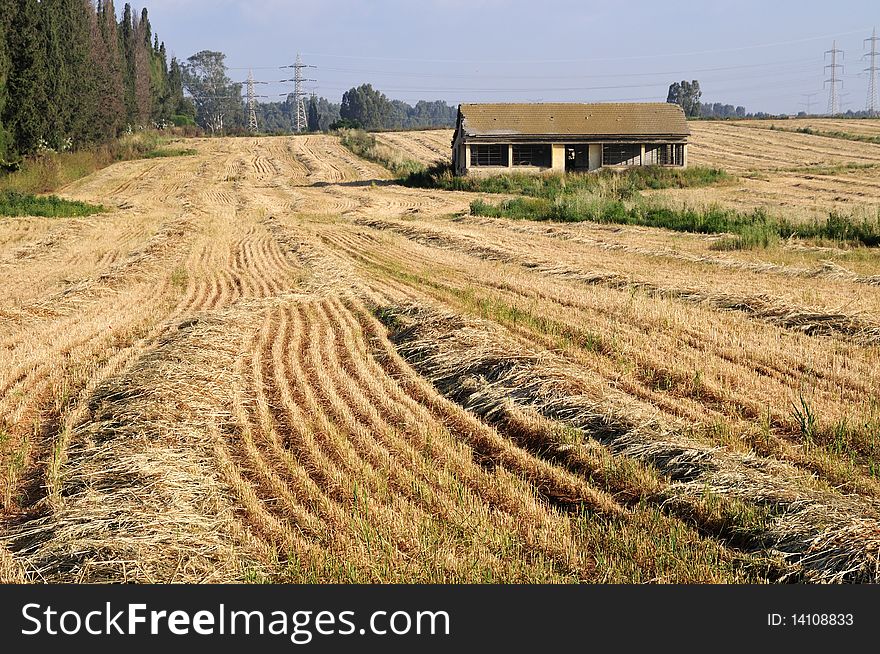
[(221, 109), (688, 95), (74, 73)]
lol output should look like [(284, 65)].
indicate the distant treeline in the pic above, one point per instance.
[(72, 74), (363, 107)]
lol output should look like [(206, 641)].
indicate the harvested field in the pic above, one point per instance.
[(860, 127), (270, 362)]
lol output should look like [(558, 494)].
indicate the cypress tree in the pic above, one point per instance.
[(58, 103), (81, 90), (126, 47), (142, 73), (26, 116), (7, 13), (175, 87), (109, 61)]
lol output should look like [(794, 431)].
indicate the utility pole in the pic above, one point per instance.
[(833, 101), (251, 103), (872, 105), (809, 102), (299, 94)]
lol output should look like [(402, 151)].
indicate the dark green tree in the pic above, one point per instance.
[(7, 14), (127, 48), (687, 95), (314, 118), (110, 72), (25, 116), (73, 83)]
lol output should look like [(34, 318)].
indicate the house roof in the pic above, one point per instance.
[(571, 119)]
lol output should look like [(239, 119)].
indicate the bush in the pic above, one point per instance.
[(345, 123), (181, 120)]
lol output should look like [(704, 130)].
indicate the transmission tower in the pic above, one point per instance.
[(873, 105), (834, 80), (251, 104), (299, 94), (808, 104)]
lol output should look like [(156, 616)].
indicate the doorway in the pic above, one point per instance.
[(577, 158)]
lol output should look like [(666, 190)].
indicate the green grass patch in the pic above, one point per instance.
[(19, 204), (753, 229), (834, 134)]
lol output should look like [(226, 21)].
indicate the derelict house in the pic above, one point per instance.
[(571, 137)]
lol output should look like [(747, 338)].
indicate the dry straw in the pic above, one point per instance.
[(825, 536)]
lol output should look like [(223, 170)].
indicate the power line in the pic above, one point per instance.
[(478, 74), (833, 101), (872, 104), (655, 55)]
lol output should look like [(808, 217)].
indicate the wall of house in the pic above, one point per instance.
[(557, 157), (557, 160), (595, 156)]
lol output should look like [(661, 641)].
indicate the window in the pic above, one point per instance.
[(664, 154), (488, 155), (621, 154), (531, 155)]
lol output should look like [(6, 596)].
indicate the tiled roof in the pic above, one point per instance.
[(569, 119)]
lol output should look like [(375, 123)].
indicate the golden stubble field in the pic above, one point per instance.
[(268, 361)]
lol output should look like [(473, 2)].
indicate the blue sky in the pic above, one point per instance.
[(762, 54)]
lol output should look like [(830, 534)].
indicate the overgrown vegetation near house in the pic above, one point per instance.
[(622, 184)]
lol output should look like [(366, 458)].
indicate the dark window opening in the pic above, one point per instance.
[(488, 155), (664, 154), (577, 157), (621, 154), (531, 155)]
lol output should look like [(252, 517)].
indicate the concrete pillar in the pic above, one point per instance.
[(595, 156), (510, 155), (557, 157), (467, 157), (684, 156), (642, 156)]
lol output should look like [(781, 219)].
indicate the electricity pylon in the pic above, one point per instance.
[(299, 94), (833, 100), (251, 104), (872, 105)]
